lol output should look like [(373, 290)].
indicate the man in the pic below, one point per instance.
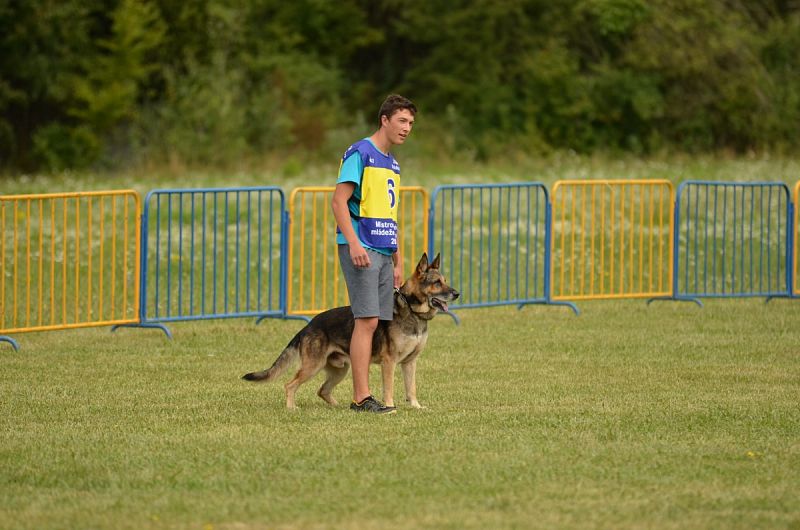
[(365, 208)]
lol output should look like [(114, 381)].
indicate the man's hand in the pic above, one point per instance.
[(359, 256), (398, 274)]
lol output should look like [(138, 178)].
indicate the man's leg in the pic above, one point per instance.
[(360, 354)]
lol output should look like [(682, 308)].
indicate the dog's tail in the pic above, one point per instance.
[(283, 361)]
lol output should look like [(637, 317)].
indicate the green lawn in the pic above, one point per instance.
[(627, 416)]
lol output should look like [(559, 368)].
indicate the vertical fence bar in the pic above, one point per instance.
[(794, 240)]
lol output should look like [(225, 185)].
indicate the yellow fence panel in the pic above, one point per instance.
[(69, 260), (796, 286), (611, 239), (314, 278)]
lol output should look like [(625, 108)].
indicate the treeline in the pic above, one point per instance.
[(124, 82)]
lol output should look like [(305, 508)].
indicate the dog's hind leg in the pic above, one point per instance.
[(335, 371)]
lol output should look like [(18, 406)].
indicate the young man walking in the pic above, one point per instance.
[(365, 208)]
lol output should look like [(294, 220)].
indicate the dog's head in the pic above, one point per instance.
[(426, 290)]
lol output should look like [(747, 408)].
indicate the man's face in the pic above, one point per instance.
[(398, 127)]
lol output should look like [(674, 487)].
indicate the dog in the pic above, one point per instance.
[(324, 343)]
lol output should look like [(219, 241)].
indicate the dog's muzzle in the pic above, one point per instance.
[(440, 304)]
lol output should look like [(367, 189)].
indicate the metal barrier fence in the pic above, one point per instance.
[(85, 259), (494, 242), (68, 260), (611, 239), (732, 239), (212, 253), (314, 279)]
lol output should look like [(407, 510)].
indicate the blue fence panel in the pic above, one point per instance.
[(732, 239), (213, 253), (493, 242)]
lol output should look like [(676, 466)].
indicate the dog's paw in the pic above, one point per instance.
[(329, 399)]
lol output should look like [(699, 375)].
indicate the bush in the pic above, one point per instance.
[(58, 147)]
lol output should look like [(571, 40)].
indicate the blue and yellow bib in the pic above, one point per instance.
[(373, 205)]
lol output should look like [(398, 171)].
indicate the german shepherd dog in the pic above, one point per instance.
[(325, 341)]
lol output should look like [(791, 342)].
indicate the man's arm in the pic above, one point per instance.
[(341, 213), (398, 268)]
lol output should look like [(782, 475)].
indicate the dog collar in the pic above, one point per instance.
[(404, 297), (397, 291)]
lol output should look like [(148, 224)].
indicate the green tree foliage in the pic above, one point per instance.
[(106, 88), (41, 43), (214, 82)]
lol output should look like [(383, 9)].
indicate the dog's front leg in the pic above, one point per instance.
[(387, 371), (410, 379)]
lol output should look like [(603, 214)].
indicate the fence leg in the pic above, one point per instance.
[(675, 299), (551, 302), (144, 325), (454, 317), (10, 341), (284, 317), (770, 297)]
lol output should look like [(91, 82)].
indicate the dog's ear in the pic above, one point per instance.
[(436, 260), (422, 266)]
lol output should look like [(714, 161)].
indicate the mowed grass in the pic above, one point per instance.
[(627, 416)]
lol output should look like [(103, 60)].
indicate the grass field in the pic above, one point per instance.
[(429, 173), (627, 416)]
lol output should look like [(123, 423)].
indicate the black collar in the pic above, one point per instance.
[(408, 299)]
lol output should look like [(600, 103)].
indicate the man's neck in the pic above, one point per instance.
[(381, 142)]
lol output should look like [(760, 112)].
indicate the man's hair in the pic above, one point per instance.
[(392, 104)]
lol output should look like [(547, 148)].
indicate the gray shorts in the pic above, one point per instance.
[(371, 289)]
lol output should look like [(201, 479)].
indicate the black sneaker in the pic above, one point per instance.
[(370, 404)]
